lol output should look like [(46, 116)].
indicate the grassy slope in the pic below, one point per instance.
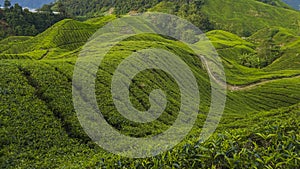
[(49, 134), (61, 40), (41, 93), (8, 42), (64, 36), (248, 16), (289, 45), (47, 84), (230, 47)]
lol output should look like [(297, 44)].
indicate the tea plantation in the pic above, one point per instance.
[(259, 128)]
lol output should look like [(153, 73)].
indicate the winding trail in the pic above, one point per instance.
[(44, 55), (246, 86), (255, 84)]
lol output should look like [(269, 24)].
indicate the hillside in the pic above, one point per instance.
[(43, 101), (246, 17), (64, 36), (242, 17), (93, 7), (86, 7), (39, 127)]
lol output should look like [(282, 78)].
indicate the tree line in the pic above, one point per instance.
[(14, 20), (188, 9)]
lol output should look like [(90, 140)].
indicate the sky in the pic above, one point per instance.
[(33, 4)]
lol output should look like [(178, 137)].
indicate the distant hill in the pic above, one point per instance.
[(32, 4), (90, 7), (244, 17)]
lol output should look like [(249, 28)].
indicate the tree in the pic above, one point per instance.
[(18, 30), (16, 21), (183, 11), (47, 9), (30, 30), (61, 8), (7, 4), (17, 9)]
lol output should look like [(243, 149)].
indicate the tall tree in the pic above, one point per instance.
[(7, 3), (61, 8)]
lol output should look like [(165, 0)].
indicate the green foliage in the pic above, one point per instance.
[(65, 36), (21, 22), (262, 133), (7, 3), (31, 135), (93, 7), (245, 17), (243, 55), (251, 60), (259, 129), (189, 10), (46, 134), (274, 145), (270, 45), (8, 42)]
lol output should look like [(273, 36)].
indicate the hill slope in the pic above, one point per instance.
[(64, 36), (39, 127), (244, 17), (50, 133)]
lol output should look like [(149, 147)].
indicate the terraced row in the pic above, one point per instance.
[(48, 133), (32, 134)]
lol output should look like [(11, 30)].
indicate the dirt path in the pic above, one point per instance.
[(44, 55), (243, 87), (262, 82)]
